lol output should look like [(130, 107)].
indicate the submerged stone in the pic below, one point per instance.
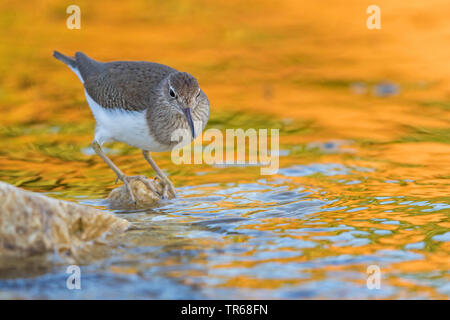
[(119, 198), (31, 224)]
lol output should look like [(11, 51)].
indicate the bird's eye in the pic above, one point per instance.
[(172, 93)]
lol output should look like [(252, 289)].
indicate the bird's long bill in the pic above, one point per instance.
[(188, 114)]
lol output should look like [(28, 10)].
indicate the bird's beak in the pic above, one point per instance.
[(188, 114)]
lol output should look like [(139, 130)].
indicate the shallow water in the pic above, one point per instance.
[(308, 232), (363, 179)]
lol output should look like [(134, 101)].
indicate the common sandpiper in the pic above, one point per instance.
[(141, 104)]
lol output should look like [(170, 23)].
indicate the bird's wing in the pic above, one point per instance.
[(129, 85)]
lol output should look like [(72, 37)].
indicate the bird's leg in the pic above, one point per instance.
[(167, 184), (117, 171)]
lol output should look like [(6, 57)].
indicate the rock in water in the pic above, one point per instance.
[(31, 223), (119, 198)]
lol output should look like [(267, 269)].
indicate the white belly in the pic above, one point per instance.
[(129, 127)]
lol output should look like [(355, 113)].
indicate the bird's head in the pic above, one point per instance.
[(183, 94)]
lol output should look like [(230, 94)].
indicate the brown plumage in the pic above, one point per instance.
[(129, 85)]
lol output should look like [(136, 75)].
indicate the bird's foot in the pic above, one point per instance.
[(127, 180), (168, 188)]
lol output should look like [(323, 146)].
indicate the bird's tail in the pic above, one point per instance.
[(67, 60)]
